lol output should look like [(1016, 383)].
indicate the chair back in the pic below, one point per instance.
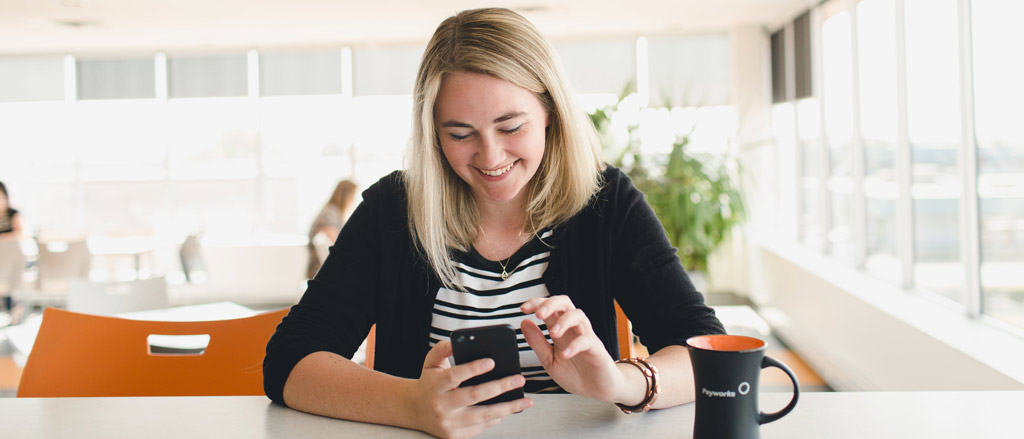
[(322, 244), (107, 298), (61, 261), (12, 265), (82, 355), (192, 262)]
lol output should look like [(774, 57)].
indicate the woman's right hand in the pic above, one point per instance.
[(447, 410)]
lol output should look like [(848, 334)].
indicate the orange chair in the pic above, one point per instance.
[(81, 355), (625, 334)]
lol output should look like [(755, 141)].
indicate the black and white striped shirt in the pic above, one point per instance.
[(489, 300)]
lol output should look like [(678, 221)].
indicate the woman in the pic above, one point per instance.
[(329, 221), (10, 221), (506, 213), (10, 229)]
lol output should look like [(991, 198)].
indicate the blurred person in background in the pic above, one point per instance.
[(10, 229), (10, 221), (330, 221)]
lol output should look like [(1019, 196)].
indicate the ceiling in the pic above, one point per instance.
[(83, 26)]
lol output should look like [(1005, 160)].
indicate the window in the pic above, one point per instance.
[(837, 93), (934, 131), (778, 42), (802, 55), (207, 76), (31, 78), (384, 71), (600, 66), (690, 71), (998, 93), (116, 78), (863, 125), (300, 73), (876, 40)]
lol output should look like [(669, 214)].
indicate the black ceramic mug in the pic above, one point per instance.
[(726, 372)]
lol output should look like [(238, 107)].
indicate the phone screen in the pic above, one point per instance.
[(497, 342)]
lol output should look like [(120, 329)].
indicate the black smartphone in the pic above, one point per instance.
[(497, 342)]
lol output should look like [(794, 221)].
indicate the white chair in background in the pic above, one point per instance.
[(61, 261), (107, 298), (58, 263), (322, 244), (193, 265)]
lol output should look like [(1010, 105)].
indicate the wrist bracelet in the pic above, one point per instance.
[(651, 378)]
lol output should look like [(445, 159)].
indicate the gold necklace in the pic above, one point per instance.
[(504, 275)]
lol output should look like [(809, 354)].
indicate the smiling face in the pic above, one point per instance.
[(492, 133)]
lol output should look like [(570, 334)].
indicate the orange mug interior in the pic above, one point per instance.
[(731, 343)]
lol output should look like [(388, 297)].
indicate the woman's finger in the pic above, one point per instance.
[(463, 372), (492, 414), (535, 338), (580, 344), (438, 356), (571, 319), (467, 396), (554, 305)]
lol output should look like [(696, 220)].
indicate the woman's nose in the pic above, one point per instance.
[(491, 153)]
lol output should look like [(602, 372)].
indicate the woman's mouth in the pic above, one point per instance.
[(497, 172)]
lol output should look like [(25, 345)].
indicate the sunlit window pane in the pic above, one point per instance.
[(784, 132), (123, 140), (837, 90), (999, 92), (808, 113), (212, 138), (876, 39), (381, 128), (934, 129)]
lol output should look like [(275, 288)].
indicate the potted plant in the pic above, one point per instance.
[(693, 195)]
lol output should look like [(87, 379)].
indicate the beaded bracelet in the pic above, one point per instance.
[(651, 378)]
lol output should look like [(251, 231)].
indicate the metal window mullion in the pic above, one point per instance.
[(71, 101), (346, 73), (817, 90), (859, 225), (970, 231), (160, 84), (903, 158), (253, 94), (347, 104), (643, 75)]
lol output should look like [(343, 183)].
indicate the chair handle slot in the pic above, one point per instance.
[(164, 344)]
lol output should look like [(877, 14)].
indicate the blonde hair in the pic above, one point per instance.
[(501, 43)]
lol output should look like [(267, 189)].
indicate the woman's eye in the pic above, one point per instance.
[(512, 130), (457, 137)]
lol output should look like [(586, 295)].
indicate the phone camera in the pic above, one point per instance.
[(460, 339)]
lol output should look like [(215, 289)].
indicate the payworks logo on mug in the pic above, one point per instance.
[(744, 389)]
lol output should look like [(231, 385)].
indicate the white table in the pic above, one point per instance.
[(933, 415)]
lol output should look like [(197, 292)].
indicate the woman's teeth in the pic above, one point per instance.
[(498, 172)]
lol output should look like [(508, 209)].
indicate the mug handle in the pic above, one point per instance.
[(764, 418)]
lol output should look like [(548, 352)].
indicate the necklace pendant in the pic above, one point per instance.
[(504, 275)]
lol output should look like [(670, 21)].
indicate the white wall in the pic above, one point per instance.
[(861, 334)]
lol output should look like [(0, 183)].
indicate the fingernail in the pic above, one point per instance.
[(567, 352), (556, 331)]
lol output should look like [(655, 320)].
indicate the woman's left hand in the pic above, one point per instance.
[(576, 358)]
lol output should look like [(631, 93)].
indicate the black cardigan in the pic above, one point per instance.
[(614, 249)]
